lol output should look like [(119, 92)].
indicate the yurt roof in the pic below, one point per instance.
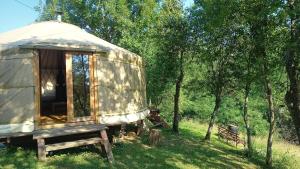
[(55, 35)]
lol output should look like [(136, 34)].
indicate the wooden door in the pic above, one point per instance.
[(80, 85)]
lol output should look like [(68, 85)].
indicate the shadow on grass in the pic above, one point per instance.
[(79, 158), (186, 150), (216, 154), (258, 156), (17, 158), (179, 151)]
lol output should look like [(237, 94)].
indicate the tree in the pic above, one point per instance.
[(173, 36), (292, 63), (245, 74), (261, 25), (214, 22)]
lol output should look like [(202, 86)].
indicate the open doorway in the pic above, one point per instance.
[(53, 87)]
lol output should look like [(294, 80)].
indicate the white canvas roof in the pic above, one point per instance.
[(56, 35)]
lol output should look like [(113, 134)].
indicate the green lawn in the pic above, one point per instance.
[(183, 151)]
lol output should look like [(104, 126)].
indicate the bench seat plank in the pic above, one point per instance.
[(70, 144)]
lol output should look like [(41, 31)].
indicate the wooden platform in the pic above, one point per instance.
[(69, 130), (18, 134), (43, 134)]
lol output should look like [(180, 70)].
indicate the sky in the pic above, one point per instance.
[(14, 15), (18, 13)]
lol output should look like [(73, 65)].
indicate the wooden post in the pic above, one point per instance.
[(69, 86), (37, 88), (154, 137), (41, 149), (8, 140), (96, 102), (122, 130), (107, 146), (140, 125), (92, 86)]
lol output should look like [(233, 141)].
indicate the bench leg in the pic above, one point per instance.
[(8, 141), (107, 146), (41, 149)]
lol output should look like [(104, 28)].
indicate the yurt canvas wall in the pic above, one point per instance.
[(121, 88), (120, 85), (17, 108)]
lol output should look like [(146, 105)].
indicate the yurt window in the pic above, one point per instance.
[(81, 85)]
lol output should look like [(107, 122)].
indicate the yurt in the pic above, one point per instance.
[(54, 74)]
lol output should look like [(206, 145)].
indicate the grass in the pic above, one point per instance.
[(186, 150), (285, 155)]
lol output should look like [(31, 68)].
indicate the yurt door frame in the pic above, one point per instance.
[(71, 118), (71, 114)]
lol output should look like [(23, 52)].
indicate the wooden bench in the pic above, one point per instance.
[(42, 134), (229, 135)]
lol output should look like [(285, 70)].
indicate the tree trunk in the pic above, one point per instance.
[(213, 117), (292, 97), (246, 120), (272, 124), (176, 98), (258, 31)]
